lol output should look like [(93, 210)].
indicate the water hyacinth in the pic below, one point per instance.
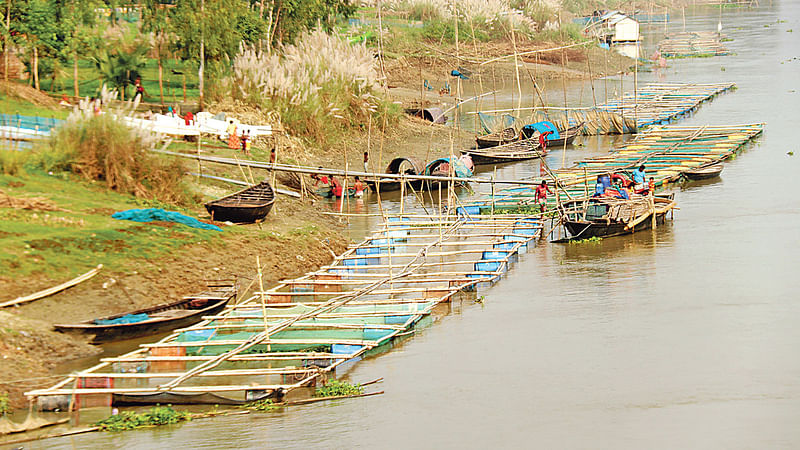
[(321, 74)]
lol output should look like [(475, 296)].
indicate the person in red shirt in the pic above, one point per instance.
[(188, 118), (337, 187), (543, 141), (541, 195)]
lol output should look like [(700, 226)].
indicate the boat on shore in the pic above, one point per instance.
[(246, 206), (704, 172), (153, 320), (600, 217)]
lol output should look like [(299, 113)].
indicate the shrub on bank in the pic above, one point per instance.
[(320, 85), (101, 148)]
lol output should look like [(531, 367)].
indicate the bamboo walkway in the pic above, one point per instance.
[(666, 151), (301, 330)]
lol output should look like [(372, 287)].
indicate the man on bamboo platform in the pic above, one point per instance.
[(639, 178), (541, 195)]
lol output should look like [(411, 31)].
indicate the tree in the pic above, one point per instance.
[(40, 24), (122, 61), (292, 17), (81, 17), (155, 20)]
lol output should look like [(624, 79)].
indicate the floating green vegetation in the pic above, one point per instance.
[(129, 420), (587, 240), (261, 405), (5, 405), (336, 388)]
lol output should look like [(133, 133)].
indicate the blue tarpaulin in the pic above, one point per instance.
[(158, 214), (543, 127), (127, 318)]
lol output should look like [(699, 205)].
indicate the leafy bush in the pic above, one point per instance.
[(102, 148), (12, 161), (335, 388), (157, 415)]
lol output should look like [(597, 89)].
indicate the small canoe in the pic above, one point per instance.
[(246, 206), (704, 173), (153, 320)]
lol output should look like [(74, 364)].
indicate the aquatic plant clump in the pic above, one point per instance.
[(336, 388), (5, 405), (319, 83), (129, 420)]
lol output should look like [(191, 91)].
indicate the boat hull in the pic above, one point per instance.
[(244, 214), (586, 230), (115, 332)]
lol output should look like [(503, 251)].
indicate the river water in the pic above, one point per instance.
[(684, 337)]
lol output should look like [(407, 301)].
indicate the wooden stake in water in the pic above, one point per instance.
[(263, 298)]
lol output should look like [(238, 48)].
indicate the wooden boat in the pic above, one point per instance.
[(511, 152), (565, 137), (605, 216), (497, 138), (704, 173), (184, 312), (246, 206)]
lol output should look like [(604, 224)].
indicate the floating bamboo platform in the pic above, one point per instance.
[(666, 151), (305, 329), (662, 103), (693, 44)]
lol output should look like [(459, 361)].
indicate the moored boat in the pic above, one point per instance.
[(600, 217), (498, 138), (246, 206), (153, 320), (511, 152), (704, 172), (557, 139), (461, 168)]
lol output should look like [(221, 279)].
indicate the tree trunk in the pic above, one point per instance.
[(75, 86), (36, 68), (160, 79)]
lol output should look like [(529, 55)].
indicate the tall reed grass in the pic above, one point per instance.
[(319, 85)]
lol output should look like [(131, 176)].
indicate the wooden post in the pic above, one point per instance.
[(263, 298)]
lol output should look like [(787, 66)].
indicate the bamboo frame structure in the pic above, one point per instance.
[(288, 336), (667, 151)]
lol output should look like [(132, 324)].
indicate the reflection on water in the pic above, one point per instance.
[(683, 337)]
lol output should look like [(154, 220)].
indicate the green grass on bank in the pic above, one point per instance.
[(89, 83), (10, 105), (67, 243)]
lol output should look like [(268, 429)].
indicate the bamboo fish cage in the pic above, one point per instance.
[(305, 329), (693, 44), (662, 103), (666, 151)]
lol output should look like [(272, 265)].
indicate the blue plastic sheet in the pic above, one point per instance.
[(543, 127), (127, 318), (158, 214)]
